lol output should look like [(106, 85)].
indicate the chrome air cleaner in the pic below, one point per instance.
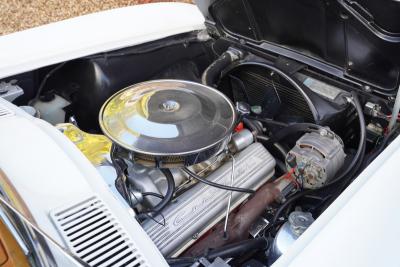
[(169, 123)]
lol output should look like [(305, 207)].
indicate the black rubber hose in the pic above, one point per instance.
[(145, 194), (278, 147), (262, 138), (228, 251), (347, 180), (121, 180), (165, 200), (168, 195), (181, 261), (237, 249), (220, 186), (213, 72), (358, 168), (281, 166), (356, 171), (270, 121), (252, 126), (288, 202), (292, 129), (361, 144)]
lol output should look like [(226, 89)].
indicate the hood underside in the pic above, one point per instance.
[(361, 38)]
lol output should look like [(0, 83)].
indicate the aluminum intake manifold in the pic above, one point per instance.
[(194, 212)]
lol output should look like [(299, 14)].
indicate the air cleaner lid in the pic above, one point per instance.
[(167, 117)]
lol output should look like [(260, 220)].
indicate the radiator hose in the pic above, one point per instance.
[(258, 130), (213, 72)]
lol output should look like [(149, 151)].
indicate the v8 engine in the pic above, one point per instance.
[(242, 162), (197, 169), (167, 133)]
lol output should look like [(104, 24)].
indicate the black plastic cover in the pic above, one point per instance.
[(361, 38)]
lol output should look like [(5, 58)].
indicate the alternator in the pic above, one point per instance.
[(316, 157)]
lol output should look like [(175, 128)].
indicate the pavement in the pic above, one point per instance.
[(17, 15)]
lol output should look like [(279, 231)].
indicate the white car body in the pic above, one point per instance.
[(359, 229)]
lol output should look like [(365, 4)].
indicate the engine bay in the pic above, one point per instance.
[(222, 153)]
